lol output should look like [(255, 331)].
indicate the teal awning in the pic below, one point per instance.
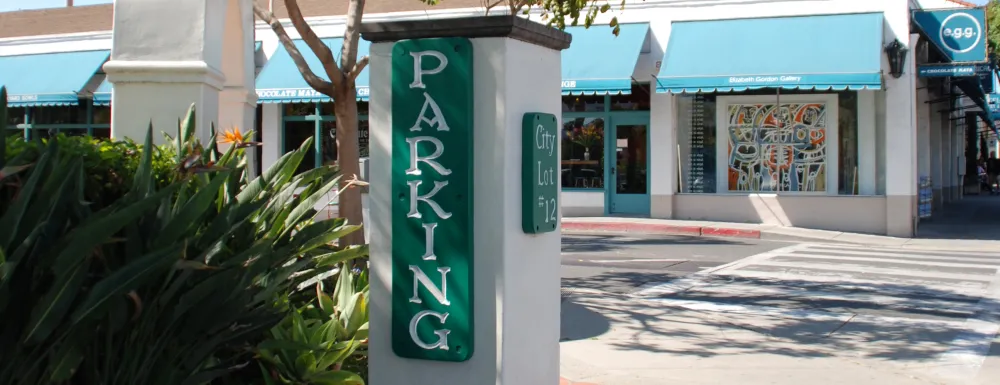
[(50, 79), (598, 62), (811, 52), (280, 82), (102, 95)]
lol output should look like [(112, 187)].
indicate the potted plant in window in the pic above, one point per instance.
[(588, 136)]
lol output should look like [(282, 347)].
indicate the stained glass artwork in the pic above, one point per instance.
[(777, 149)]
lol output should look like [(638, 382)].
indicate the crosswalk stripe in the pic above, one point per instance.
[(894, 257), (940, 290), (907, 301), (834, 267), (966, 254), (808, 255)]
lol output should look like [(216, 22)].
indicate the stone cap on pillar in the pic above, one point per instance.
[(513, 27)]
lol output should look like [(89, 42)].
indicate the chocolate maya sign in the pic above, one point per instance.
[(432, 213)]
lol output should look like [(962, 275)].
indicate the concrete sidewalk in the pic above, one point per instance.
[(614, 340), (748, 230)]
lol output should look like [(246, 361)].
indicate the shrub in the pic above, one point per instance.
[(110, 166), (172, 283)]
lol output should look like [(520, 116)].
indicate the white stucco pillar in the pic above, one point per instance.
[(901, 146), (867, 143), (923, 131), (167, 55), (935, 151), (516, 314), (271, 133), (947, 157), (663, 155)]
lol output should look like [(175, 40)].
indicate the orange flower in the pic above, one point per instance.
[(232, 135)]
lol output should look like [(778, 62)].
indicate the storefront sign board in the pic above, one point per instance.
[(960, 34), (432, 207), (539, 173), (952, 70)]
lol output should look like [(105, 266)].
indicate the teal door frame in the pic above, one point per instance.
[(634, 204)]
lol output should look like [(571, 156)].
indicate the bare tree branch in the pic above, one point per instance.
[(314, 81), (322, 52), (349, 52), (360, 66)]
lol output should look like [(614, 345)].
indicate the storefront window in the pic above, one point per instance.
[(637, 100), (299, 109), (59, 115), (696, 137), (769, 147), (295, 134), (15, 116), (329, 143), (583, 153), (102, 115), (848, 132), (583, 103), (303, 123)]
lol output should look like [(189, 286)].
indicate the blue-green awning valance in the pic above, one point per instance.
[(598, 62), (280, 81), (49, 79), (102, 95), (811, 52)]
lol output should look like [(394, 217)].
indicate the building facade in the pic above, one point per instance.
[(784, 112)]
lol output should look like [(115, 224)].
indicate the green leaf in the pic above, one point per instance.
[(11, 220), (309, 203), (192, 212), (187, 127), (126, 279), (273, 344), (343, 255), (12, 170), (46, 315), (336, 377), (66, 362)]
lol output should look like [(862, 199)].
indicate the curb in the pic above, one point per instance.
[(649, 228)]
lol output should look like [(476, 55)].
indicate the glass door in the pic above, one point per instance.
[(629, 168)]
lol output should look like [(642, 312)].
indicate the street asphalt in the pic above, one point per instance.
[(621, 263), (776, 312)]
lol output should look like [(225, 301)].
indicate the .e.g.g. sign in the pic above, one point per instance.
[(959, 33)]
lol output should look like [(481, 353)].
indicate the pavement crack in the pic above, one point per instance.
[(841, 325)]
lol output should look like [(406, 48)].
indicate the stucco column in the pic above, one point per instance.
[(924, 123), (867, 143), (935, 151), (167, 55), (947, 161), (515, 318), (901, 147), (663, 155)]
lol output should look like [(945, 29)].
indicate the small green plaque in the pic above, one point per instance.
[(432, 176), (539, 173)]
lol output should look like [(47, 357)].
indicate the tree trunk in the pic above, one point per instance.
[(348, 159)]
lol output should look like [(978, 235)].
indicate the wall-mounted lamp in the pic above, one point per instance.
[(896, 53)]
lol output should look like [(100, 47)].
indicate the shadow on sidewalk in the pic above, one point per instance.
[(799, 319), (975, 217)]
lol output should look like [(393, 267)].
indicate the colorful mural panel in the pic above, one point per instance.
[(772, 150)]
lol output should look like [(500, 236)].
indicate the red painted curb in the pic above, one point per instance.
[(734, 233), (652, 228)]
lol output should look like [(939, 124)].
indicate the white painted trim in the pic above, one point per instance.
[(832, 138), (142, 71)]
